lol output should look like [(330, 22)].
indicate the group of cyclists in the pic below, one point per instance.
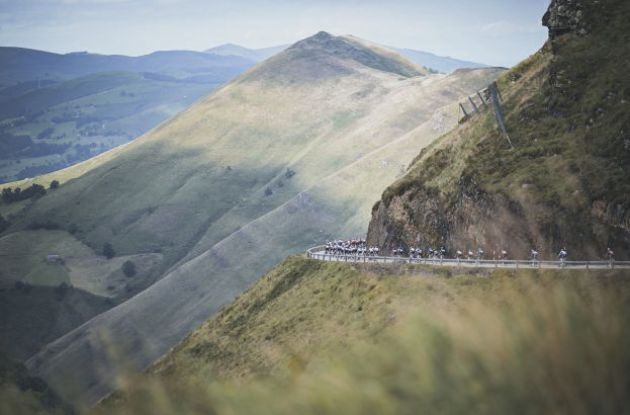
[(358, 248), (351, 247)]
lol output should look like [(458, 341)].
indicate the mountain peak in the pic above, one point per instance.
[(326, 42), (319, 37), (324, 55)]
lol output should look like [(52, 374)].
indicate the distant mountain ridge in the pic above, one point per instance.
[(256, 55), (443, 64), (20, 64)]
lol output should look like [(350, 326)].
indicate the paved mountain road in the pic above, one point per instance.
[(319, 253)]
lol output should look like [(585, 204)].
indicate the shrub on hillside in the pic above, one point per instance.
[(47, 133), (129, 269), (108, 251), (62, 290), (289, 173), (4, 224), (46, 225), (54, 184), (23, 287)]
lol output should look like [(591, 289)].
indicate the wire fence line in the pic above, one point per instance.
[(320, 254)]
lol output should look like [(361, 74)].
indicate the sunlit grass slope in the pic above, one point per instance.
[(314, 337), (291, 153)]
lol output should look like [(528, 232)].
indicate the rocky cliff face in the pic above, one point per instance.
[(566, 181), (565, 16)]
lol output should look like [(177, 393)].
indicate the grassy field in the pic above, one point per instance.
[(41, 300), (316, 337), (24, 259)]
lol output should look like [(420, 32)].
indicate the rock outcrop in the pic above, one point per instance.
[(564, 183), (565, 16)]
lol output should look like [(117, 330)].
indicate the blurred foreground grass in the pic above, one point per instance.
[(550, 342), (471, 342)]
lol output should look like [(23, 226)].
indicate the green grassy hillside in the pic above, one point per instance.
[(565, 181), (315, 337), (32, 315), (48, 128), (264, 167), (41, 300)]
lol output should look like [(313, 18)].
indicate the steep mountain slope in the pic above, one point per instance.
[(565, 183), (289, 154)]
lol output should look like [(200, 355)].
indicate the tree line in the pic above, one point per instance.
[(34, 191)]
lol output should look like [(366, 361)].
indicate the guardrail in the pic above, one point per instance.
[(319, 253)]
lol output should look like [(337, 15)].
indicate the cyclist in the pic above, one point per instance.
[(562, 255)]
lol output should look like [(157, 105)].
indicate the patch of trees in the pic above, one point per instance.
[(43, 149), (129, 269), (33, 171), (47, 133), (54, 184), (4, 224), (11, 144), (81, 152), (73, 228), (10, 195), (62, 290), (77, 117), (108, 250), (23, 287), (289, 173), (64, 117), (85, 120), (47, 225)]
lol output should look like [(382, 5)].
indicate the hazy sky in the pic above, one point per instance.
[(497, 32)]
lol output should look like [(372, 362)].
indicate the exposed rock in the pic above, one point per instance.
[(564, 16)]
